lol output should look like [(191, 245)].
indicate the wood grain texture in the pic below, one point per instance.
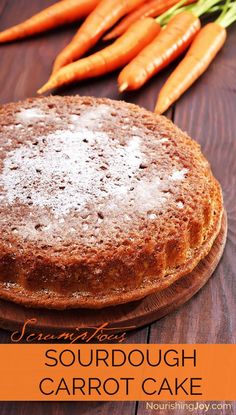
[(207, 113)]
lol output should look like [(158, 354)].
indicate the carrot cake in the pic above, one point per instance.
[(102, 203)]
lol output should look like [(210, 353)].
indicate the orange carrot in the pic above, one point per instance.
[(106, 60), (151, 9), (173, 40), (202, 52), (65, 11), (167, 46), (105, 15)]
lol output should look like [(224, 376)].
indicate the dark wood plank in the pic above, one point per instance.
[(207, 113), (17, 79)]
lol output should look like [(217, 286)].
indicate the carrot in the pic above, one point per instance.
[(65, 11), (106, 60), (172, 41), (105, 15), (202, 52), (152, 9)]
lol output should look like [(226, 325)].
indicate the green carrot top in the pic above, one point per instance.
[(228, 15), (198, 9)]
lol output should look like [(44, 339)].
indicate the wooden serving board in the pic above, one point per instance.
[(120, 318)]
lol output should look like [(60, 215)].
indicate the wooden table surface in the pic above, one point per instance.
[(208, 113)]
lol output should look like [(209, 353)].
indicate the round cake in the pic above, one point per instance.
[(102, 203)]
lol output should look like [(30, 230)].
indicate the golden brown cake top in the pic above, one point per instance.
[(79, 175)]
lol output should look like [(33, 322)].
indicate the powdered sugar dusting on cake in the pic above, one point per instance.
[(90, 118), (59, 171), (180, 205), (31, 114), (179, 175), (82, 168)]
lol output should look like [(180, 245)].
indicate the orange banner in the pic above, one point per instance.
[(117, 372)]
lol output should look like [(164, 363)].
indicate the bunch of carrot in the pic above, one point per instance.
[(202, 52), (144, 45), (140, 34), (101, 16)]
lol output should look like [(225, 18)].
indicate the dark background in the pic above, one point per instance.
[(208, 113)]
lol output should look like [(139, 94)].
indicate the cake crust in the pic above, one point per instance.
[(102, 203)]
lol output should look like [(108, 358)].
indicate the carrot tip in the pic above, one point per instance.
[(44, 88), (160, 109), (123, 87), (162, 105), (157, 110)]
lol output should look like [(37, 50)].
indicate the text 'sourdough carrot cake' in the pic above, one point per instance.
[(102, 203)]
